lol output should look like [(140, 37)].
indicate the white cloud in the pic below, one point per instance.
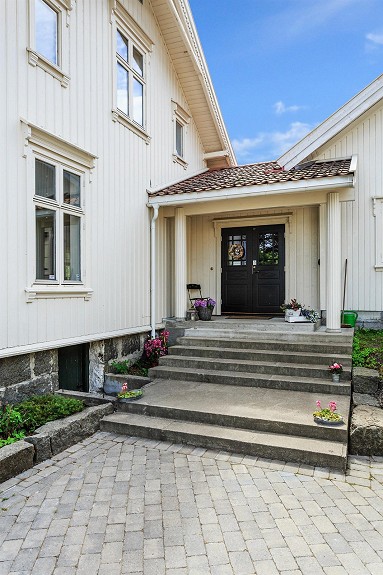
[(375, 38), (281, 108), (267, 146)]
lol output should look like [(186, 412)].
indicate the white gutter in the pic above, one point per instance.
[(153, 270), (332, 183)]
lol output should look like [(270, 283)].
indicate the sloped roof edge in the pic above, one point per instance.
[(349, 112), (181, 14)]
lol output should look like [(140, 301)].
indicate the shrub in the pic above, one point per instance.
[(368, 349), (11, 425)]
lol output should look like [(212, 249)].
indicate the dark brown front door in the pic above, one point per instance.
[(253, 264)]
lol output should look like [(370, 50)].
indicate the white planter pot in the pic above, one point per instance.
[(292, 315)]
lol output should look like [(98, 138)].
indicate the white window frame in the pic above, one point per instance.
[(378, 214), (181, 117), (60, 208), (122, 22), (44, 146), (62, 8)]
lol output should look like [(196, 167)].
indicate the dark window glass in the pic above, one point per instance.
[(45, 244), (45, 180), (72, 185)]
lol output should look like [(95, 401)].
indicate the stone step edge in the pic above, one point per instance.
[(270, 445), (264, 380), (231, 332), (277, 340), (262, 344), (325, 357), (223, 361), (281, 427)]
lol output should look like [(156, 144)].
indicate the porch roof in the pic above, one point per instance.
[(256, 175)]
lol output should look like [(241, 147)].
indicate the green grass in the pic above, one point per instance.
[(368, 349)]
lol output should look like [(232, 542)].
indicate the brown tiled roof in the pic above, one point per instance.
[(256, 174)]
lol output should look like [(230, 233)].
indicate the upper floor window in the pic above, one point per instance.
[(49, 37), (181, 120), (179, 139), (46, 31), (130, 79)]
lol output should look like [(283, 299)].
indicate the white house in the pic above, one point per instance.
[(120, 186), (99, 101), (255, 236)]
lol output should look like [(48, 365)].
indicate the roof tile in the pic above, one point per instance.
[(256, 174)]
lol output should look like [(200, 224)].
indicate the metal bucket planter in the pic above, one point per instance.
[(204, 313)]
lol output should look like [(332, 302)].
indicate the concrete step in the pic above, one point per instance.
[(318, 359), (260, 367), (232, 332), (270, 410), (268, 381), (273, 324), (322, 453), (307, 346)]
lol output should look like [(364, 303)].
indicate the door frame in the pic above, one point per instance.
[(286, 218)]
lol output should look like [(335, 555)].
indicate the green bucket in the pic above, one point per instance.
[(349, 318)]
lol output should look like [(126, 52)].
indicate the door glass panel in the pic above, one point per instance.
[(236, 250), (268, 251)]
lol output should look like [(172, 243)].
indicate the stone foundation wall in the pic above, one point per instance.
[(103, 353), (30, 374), (37, 373)]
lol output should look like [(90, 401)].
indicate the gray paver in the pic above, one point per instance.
[(115, 505)]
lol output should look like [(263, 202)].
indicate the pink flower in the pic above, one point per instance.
[(319, 404), (125, 387), (332, 406)]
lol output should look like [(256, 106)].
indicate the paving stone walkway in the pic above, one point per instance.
[(114, 505)]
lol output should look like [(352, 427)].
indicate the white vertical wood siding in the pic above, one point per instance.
[(302, 275), (117, 220), (363, 137)]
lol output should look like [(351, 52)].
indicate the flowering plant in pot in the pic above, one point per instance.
[(156, 347), (292, 304), (335, 369), (327, 414), (205, 307), (131, 395)]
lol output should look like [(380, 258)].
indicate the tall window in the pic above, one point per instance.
[(46, 31), (58, 214), (130, 79)]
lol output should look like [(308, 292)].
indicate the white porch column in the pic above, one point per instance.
[(334, 267), (180, 263)]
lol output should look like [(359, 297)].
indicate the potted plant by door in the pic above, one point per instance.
[(292, 310), (204, 307)]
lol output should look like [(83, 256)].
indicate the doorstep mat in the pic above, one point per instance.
[(263, 317)]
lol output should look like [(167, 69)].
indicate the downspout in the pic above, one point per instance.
[(153, 270)]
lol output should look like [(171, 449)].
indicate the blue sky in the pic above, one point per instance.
[(281, 67)]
